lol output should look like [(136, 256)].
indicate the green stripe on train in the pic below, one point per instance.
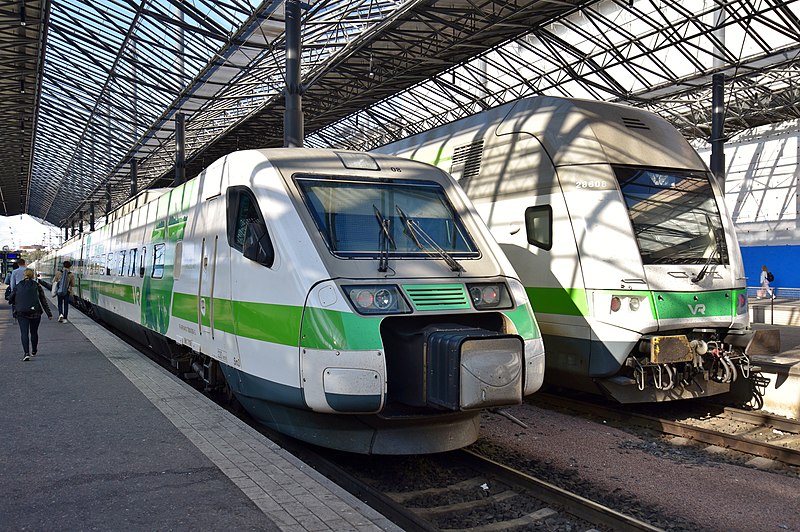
[(685, 305), (663, 305), (280, 324), (123, 292), (524, 322), (566, 301)]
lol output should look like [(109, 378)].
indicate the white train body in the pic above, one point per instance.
[(609, 217), (272, 269)]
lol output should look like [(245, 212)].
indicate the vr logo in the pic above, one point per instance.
[(700, 308)]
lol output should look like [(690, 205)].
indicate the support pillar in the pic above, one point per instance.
[(180, 153), (134, 177), (717, 128), (108, 200), (293, 116)]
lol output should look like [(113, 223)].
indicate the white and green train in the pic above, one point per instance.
[(351, 300), (620, 235)]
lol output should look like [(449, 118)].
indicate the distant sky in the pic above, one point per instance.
[(25, 230)]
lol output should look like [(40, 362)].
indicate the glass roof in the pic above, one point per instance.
[(658, 55), (107, 79)]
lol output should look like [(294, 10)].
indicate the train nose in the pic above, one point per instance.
[(469, 368)]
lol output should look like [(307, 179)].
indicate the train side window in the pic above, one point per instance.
[(539, 226), (109, 263), (142, 261), (132, 263), (176, 270), (121, 263), (247, 230), (158, 261)]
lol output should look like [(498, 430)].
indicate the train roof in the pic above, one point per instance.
[(577, 131)]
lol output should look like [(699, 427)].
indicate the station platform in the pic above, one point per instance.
[(780, 374), (95, 436)]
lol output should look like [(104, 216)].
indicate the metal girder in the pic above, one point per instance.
[(116, 73), (22, 43), (659, 55)]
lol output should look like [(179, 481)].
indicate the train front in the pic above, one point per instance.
[(666, 294), (419, 322)]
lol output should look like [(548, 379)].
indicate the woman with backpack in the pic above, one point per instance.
[(63, 283), (766, 278), (29, 303)]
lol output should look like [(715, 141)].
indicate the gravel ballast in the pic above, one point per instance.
[(676, 487)]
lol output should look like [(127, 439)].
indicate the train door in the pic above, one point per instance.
[(251, 260), (212, 246), (214, 308)]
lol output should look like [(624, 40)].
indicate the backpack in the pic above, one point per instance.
[(26, 301), (63, 284), (770, 277)]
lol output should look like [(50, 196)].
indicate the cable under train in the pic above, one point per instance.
[(351, 300), (620, 235)]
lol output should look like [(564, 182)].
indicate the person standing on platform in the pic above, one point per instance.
[(29, 303), (766, 278), (16, 275), (7, 281), (64, 281)]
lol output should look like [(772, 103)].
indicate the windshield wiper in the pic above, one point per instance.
[(384, 240), (717, 251), (424, 241)]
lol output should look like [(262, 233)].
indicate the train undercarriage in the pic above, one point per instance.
[(687, 364)]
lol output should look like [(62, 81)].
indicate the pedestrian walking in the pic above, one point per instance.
[(766, 278), (29, 303), (64, 281), (7, 281)]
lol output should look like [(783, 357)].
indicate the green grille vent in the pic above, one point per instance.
[(437, 296)]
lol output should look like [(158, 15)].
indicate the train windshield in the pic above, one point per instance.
[(369, 218), (674, 216)]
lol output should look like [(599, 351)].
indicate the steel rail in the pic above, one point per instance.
[(763, 418), (676, 428), (572, 503)]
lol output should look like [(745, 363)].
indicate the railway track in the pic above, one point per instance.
[(749, 435), (471, 493), (464, 491)]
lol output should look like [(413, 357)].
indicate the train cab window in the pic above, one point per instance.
[(158, 261), (539, 226), (247, 230), (132, 263)]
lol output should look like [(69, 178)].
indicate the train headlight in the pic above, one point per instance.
[(378, 299), (489, 296), (384, 299), (634, 303)]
